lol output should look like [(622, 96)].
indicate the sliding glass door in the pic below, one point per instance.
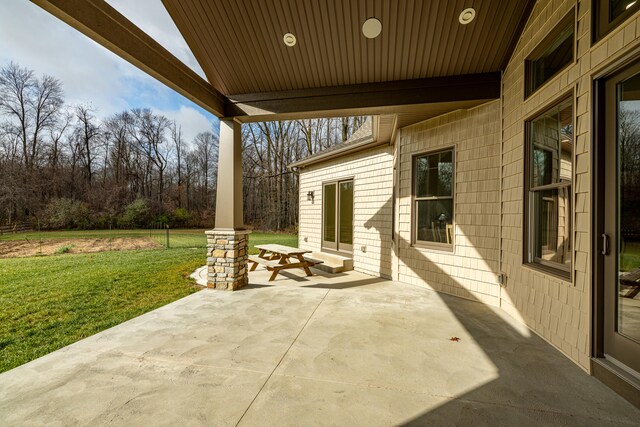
[(337, 216), (620, 245)]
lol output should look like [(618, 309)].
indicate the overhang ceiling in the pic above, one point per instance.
[(423, 63), (239, 43)]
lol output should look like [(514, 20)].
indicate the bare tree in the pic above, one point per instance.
[(206, 150), (30, 106), (87, 134), (49, 150), (179, 146)]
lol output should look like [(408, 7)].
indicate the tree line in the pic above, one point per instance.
[(65, 167)]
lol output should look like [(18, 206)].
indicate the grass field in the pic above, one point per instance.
[(630, 259), (48, 302)]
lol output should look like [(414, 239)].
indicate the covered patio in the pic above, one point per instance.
[(355, 349), (347, 349)]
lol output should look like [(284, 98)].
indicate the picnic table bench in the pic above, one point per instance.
[(279, 257), (632, 280)]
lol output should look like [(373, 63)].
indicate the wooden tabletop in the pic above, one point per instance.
[(281, 249)]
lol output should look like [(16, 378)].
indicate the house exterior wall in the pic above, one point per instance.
[(489, 143), (372, 173), (558, 310), (471, 269)]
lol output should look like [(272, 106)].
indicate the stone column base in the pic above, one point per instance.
[(227, 254)]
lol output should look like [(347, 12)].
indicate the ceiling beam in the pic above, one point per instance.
[(104, 24), (370, 98)]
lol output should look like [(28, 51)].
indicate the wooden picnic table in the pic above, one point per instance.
[(632, 280), (279, 257)]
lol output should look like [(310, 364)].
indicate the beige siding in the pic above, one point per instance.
[(471, 269), (489, 144), (556, 309), (372, 173)]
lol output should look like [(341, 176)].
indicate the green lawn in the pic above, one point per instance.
[(630, 258), (49, 302)]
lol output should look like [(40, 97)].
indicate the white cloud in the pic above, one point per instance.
[(90, 74), (35, 39), (192, 121)]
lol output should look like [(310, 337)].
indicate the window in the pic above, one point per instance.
[(553, 54), (611, 13), (548, 183), (433, 179)]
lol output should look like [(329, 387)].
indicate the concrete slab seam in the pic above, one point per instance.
[(282, 358)]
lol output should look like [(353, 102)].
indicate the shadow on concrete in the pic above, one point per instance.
[(349, 284), (291, 276), (251, 286), (298, 275), (327, 275), (536, 384)]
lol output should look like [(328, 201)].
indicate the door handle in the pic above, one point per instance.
[(605, 244)]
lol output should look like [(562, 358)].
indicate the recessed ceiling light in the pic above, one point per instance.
[(289, 39), (371, 28), (467, 15)]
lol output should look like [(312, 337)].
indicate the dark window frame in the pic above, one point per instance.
[(337, 182), (600, 17), (568, 20), (414, 199), (528, 260)]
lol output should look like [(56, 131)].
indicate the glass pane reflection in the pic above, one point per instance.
[(619, 7), (346, 212), (552, 226), (329, 210), (435, 219), (628, 295), (434, 175)]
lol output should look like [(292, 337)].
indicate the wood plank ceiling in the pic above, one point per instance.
[(240, 48)]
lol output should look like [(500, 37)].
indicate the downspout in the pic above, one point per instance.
[(395, 273), (296, 171), (501, 275)]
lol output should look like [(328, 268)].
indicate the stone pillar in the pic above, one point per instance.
[(227, 253), (228, 243)]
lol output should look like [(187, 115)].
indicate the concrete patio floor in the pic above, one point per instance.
[(346, 349)]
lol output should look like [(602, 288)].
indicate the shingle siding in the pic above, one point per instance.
[(372, 173), (558, 310), (470, 270), (489, 143)]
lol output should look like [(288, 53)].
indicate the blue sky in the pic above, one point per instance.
[(91, 74)]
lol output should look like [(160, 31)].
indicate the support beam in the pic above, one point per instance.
[(373, 98), (228, 243), (229, 215), (105, 25)]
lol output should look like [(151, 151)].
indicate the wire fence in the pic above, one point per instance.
[(33, 242), (177, 238), (155, 237)]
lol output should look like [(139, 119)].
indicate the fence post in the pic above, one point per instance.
[(39, 234), (167, 227)]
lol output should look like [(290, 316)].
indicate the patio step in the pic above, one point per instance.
[(331, 263)]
